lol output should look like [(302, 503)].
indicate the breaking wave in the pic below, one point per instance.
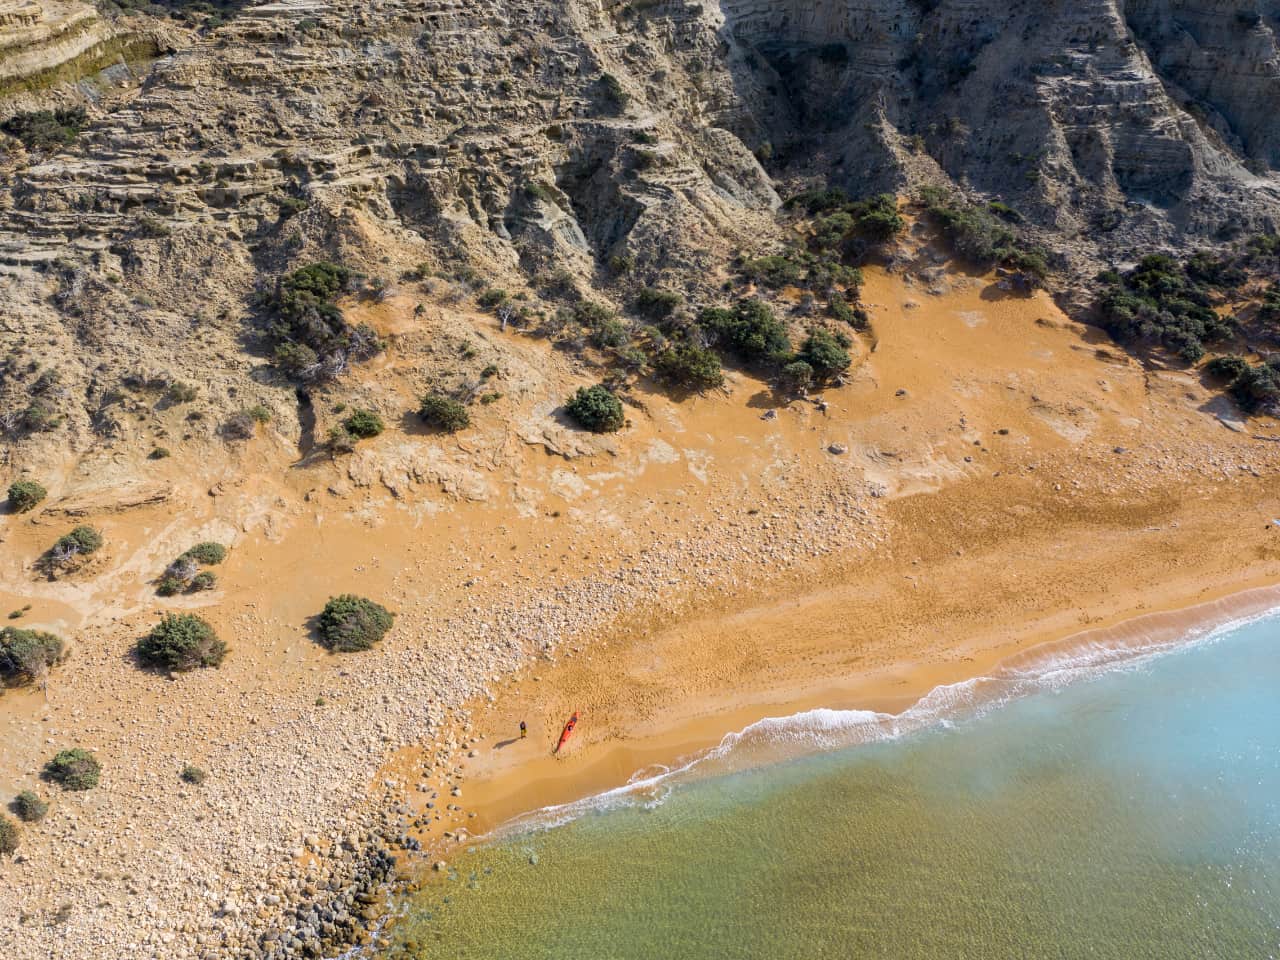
[(1042, 669)]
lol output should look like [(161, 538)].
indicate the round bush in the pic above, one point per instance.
[(29, 807), (193, 775), (364, 424), (205, 580), (74, 769), (181, 642), (444, 413), (208, 553), (25, 494), (83, 539), (349, 623), (597, 409), (9, 836), (25, 654)]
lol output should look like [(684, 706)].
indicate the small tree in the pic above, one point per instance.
[(10, 836), (74, 769), (364, 424), (27, 655), (797, 376), (349, 623), (29, 807), (181, 642), (25, 494), (597, 409), (444, 413)]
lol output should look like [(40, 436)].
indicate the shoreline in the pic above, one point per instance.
[(498, 792)]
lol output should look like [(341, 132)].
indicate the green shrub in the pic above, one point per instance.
[(181, 642), (1257, 389), (204, 580), (657, 304), (81, 541), (341, 440), (979, 234), (689, 365), (825, 353), (444, 413), (491, 298), (29, 807), (193, 775), (25, 494), (159, 453), (797, 376), (170, 586), (74, 769), (1157, 302), (180, 392), (10, 836), (364, 424), (27, 654), (597, 409), (750, 330), (775, 271), (46, 129), (1228, 369), (208, 553), (349, 623), (258, 413), (309, 334)]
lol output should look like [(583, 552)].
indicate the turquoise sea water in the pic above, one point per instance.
[(1105, 806)]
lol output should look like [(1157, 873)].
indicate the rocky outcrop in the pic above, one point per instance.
[(512, 140), (47, 47)]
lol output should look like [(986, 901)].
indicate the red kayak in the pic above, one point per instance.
[(568, 731)]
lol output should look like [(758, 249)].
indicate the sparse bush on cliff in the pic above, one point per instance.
[(979, 235), (597, 409), (1257, 389), (364, 424), (340, 440), (180, 392), (10, 836), (1228, 369), (204, 580), (825, 353), (81, 541), (25, 494), (750, 330), (74, 769), (690, 366), (311, 337), (181, 642), (193, 775), (208, 553), (46, 129), (657, 305), (444, 413), (26, 655), (29, 807), (1158, 303), (349, 623), (239, 426)]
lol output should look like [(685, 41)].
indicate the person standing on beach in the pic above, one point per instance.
[(524, 731)]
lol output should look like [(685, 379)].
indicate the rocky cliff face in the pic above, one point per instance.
[(520, 138)]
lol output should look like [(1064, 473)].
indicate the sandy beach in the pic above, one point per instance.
[(993, 477)]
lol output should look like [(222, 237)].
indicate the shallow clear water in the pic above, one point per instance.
[(1133, 813)]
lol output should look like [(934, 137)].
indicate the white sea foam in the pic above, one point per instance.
[(774, 739)]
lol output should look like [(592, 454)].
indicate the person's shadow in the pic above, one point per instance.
[(505, 743)]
